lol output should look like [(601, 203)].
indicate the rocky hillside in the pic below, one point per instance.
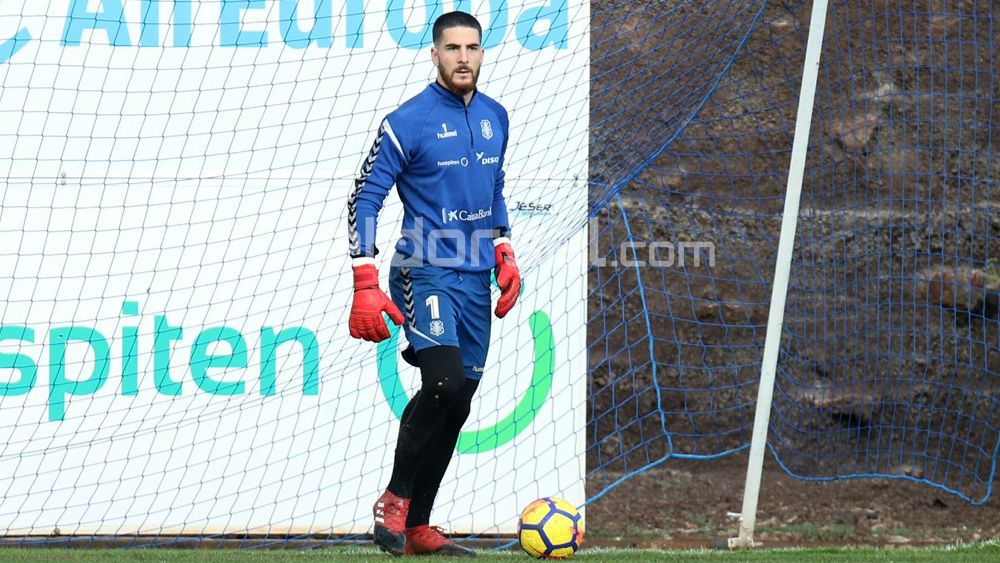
[(890, 354)]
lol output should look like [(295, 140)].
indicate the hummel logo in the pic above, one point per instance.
[(445, 133)]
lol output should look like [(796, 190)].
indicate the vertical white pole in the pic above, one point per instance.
[(800, 145)]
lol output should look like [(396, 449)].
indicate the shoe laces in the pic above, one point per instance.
[(395, 506), (391, 506)]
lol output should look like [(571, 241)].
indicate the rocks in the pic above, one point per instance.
[(669, 179), (851, 406), (898, 162), (853, 132), (714, 307), (955, 287), (992, 305), (943, 24), (886, 91), (910, 470)]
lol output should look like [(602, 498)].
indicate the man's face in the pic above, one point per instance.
[(458, 57)]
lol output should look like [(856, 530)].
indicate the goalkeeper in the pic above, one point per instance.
[(444, 151)]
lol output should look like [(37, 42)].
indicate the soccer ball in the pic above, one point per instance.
[(550, 528)]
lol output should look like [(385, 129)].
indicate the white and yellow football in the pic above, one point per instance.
[(550, 528)]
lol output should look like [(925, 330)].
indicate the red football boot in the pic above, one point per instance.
[(430, 540), (390, 522)]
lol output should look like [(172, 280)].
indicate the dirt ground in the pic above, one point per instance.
[(694, 503)]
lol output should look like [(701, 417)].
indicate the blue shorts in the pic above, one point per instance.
[(443, 307)]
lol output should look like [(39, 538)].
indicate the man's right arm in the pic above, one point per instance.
[(385, 161)]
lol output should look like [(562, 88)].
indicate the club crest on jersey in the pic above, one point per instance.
[(486, 128), (437, 328), (445, 133)]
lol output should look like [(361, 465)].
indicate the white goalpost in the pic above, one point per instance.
[(786, 243)]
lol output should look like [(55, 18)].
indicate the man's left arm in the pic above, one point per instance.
[(501, 223), (507, 274)]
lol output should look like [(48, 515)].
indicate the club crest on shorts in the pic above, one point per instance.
[(486, 128), (437, 328)]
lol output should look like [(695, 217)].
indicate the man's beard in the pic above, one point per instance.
[(454, 86)]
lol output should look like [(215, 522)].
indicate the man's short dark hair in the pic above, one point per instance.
[(455, 19)]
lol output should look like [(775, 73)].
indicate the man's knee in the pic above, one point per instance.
[(442, 374), (460, 410)]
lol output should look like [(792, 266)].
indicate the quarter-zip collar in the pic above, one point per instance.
[(451, 98)]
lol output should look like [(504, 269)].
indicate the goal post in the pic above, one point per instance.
[(782, 268)]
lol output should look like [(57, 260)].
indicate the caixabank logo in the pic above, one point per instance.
[(323, 24), (509, 426)]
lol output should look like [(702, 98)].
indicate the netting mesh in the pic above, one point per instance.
[(174, 205), (889, 350), (174, 352)]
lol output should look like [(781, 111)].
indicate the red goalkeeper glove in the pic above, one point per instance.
[(508, 276), (370, 302)]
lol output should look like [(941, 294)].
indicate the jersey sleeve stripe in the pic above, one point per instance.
[(354, 237), (392, 137)]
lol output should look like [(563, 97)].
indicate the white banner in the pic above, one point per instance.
[(174, 352)]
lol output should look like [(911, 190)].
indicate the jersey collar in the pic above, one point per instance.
[(451, 98)]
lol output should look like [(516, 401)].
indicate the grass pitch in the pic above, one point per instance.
[(987, 551)]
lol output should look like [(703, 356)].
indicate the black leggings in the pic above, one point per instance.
[(429, 429)]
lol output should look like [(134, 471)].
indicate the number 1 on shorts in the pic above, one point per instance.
[(432, 303)]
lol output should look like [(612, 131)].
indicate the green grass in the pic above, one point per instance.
[(974, 552), (834, 533)]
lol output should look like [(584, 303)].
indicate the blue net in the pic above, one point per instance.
[(653, 67), (889, 351)]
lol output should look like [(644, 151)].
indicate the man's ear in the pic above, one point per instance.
[(434, 56)]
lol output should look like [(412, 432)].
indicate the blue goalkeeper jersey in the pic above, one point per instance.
[(446, 159)]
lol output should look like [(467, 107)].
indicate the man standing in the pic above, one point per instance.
[(444, 151)]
